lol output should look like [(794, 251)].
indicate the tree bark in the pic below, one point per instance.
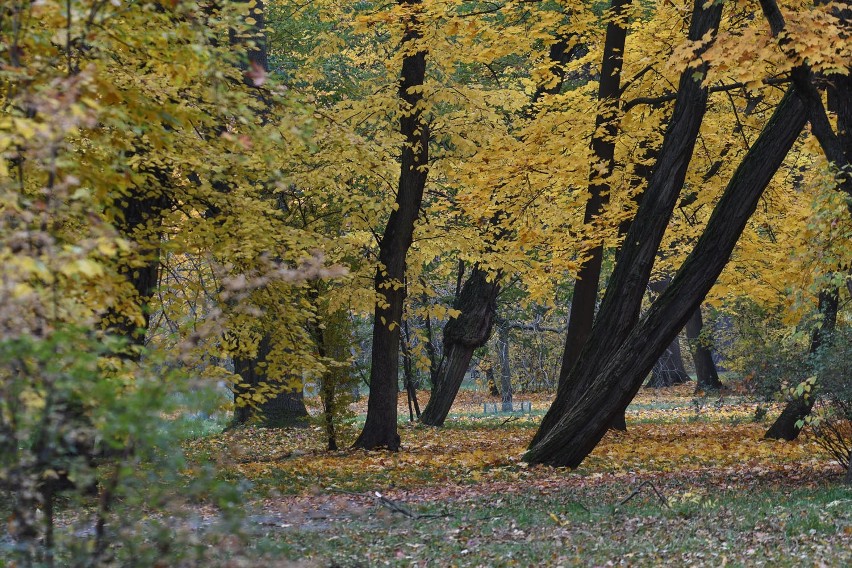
[(408, 372), (582, 313), (623, 298), (138, 214), (837, 149), (477, 304), (615, 381), (669, 369), (380, 427), (285, 408), (707, 378)]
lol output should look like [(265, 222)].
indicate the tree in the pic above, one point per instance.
[(616, 381), (620, 307), (707, 378), (380, 428)]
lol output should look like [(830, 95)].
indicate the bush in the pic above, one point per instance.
[(90, 466), (831, 425)]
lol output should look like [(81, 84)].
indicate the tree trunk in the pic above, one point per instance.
[(582, 313), (615, 380), (623, 298), (408, 373), (786, 426), (137, 213), (380, 428), (477, 304), (282, 408), (669, 369), (431, 352), (505, 368), (707, 378)]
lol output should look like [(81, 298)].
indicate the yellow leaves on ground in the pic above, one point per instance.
[(667, 435)]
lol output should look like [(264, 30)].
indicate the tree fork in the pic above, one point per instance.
[(613, 387), (622, 301)]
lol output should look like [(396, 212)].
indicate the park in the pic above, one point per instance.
[(425, 283)]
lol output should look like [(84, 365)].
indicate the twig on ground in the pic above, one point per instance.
[(638, 490), (509, 419), (392, 505)]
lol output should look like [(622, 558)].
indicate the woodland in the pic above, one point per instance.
[(425, 282)]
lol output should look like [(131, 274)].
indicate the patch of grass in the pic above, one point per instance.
[(588, 527)]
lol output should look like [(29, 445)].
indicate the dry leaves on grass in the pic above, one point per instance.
[(670, 435)]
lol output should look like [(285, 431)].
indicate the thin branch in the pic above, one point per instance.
[(666, 97), (638, 490)]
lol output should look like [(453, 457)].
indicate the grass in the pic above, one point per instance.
[(585, 526), (690, 483)]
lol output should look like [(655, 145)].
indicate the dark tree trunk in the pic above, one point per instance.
[(492, 382), (282, 408), (380, 428), (669, 369), (582, 313), (585, 296), (615, 380), (707, 378), (138, 215), (623, 298), (432, 353), (477, 304), (505, 368), (786, 426)]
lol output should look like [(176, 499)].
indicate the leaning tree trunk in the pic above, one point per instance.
[(787, 425), (623, 298), (838, 150), (477, 304), (582, 313), (472, 328), (380, 428), (615, 382), (707, 378)]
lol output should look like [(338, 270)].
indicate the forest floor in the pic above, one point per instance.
[(691, 482)]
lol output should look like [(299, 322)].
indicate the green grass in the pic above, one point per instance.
[(587, 527)]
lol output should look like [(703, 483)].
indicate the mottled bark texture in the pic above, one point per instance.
[(477, 305)]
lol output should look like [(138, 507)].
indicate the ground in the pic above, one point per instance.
[(691, 482)]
